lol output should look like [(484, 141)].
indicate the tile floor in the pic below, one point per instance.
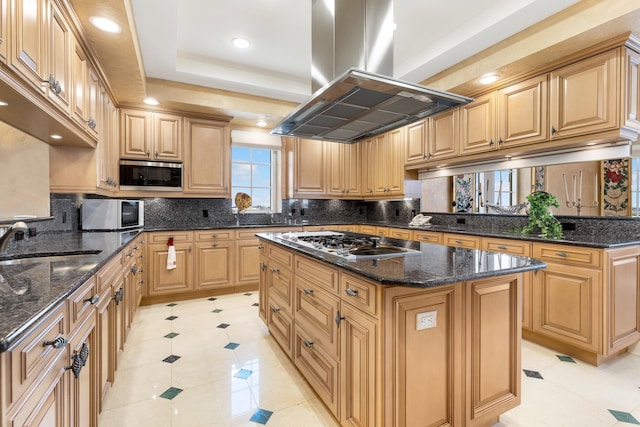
[(211, 362)]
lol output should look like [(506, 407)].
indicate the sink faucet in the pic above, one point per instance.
[(4, 239)]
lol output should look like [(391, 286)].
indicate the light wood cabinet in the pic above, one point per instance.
[(83, 385), (107, 151), (478, 125), (150, 135), (213, 262), (461, 240), (343, 172), (584, 96), (443, 135), (417, 135), (4, 30), (179, 279), (388, 163), (631, 89), (61, 42), (208, 158), (28, 41), (427, 236), (309, 168)]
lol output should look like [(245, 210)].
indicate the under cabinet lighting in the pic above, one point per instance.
[(3, 104), (105, 24), (151, 101), (55, 136)]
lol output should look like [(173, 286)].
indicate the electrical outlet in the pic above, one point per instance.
[(205, 213), (426, 320)]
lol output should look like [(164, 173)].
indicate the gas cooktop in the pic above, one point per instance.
[(348, 246)]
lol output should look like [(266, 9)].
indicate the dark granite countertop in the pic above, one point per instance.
[(30, 287), (436, 264), (594, 240)]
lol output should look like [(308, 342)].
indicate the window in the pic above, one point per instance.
[(254, 171), (504, 185)]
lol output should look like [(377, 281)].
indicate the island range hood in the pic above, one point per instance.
[(353, 40)]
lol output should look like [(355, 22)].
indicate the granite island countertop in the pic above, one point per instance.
[(30, 287), (435, 265)]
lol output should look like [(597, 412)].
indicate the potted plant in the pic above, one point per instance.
[(540, 216)]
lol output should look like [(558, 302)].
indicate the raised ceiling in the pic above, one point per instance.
[(180, 51)]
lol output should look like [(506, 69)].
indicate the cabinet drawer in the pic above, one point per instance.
[(109, 274), (317, 367), (316, 310), (567, 254), (280, 286), (81, 303), (399, 233), (281, 327), (30, 358), (428, 236), (461, 241), (360, 293), (211, 235), (382, 231), (367, 229), (513, 247), (178, 236), (323, 276), (283, 256)]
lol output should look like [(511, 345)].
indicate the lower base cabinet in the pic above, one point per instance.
[(465, 371)]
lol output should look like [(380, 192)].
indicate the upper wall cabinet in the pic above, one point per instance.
[(207, 165), (585, 96), (28, 34), (522, 113), (60, 44), (309, 168), (3, 30), (343, 171), (150, 135), (478, 125)]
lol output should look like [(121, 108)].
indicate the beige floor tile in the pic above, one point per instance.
[(138, 383), (265, 351), (146, 413), (145, 352), (308, 414), (290, 389), (207, 367)]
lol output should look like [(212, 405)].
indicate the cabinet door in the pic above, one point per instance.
[(395, 146), (79, 109), (60, 44), (262, 288), (107, 150), (381, 165), (84, 388), (631, 81), (417, 142), (351, 172), (335, 169), (310, 157), (104, 344), (280, 326), (94, 103), (566, 305), (584, 96), (4, 28), (247, 262), (176, 280), (368, 167), (135, 134), (443, 135), (316, 310), (208, 161), (477, 125), (29, 50), (522, 113), (167, 137), (213, 265), (359, 337)]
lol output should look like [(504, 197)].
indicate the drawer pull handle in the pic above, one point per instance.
[(338, 318), (79, 360), (94, 299), (57, 343), (308, 343), (275, 309), (459, 242), (501, 247), (214, 235), (308, 291), (119, 296), (351, 292), (261, 247), (134, 269), (263, 266), (275, 270), (562, 254)]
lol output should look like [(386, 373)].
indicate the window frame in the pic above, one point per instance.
[(276, 179)]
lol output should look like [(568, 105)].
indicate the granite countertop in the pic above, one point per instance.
[(31, 286), (435, 265)]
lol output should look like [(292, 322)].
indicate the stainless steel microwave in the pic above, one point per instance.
[(112, 214), (141, 175)]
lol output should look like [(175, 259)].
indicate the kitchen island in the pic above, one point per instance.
[(427, 337)]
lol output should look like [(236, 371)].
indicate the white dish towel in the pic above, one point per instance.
[(171, 255)]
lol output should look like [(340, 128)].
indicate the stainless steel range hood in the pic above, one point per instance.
[(351, 39)]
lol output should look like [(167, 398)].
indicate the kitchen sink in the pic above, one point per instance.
[(378, 250), (46, 257)]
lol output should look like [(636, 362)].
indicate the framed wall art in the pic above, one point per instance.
[(615, 187), (463, 192)]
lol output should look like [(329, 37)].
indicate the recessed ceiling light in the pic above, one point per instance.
[(240, 42), (262, 122), (489, 78), (3, 104), (105, 24), (151, 101), (55, 136)]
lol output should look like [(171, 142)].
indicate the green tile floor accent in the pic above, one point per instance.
[(170, 393), (566, 358), (171, 335), (173, 304), (217, 310), (624, 417), (248, 294), (261, 416)]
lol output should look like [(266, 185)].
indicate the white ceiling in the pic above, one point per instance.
[(188, 41)]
